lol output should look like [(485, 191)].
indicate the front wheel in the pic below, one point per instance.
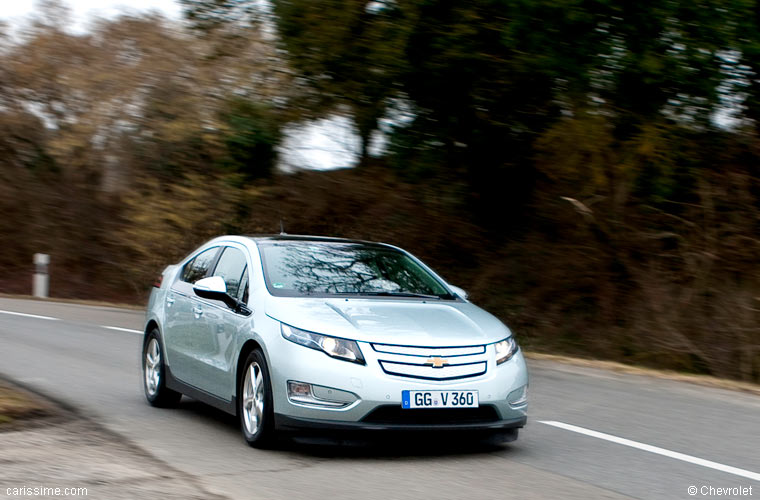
[(154, 374), (255, 401)]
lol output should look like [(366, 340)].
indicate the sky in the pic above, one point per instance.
[(321, 145), (15, 10)]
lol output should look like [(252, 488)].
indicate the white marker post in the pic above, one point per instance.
[(40, 284)]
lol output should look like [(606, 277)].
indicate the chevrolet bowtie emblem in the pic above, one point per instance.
[(437, 362)]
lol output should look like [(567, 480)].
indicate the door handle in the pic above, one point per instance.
[(198, 311), (170, 301)]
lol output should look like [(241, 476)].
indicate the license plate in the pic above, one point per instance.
[(439, 399)]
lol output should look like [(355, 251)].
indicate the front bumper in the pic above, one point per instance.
[(376, 389), (287, 423)]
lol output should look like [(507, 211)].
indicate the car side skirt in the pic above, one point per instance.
[(175, 384)]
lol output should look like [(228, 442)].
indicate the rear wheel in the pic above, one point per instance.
[(154, 374), (255, 401)]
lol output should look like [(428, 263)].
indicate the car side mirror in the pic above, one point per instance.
[(214, 288), (459, 292)]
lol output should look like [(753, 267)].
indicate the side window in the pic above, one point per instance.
[(232, 268), (198, 267)]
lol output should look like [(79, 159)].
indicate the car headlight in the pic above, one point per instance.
[(335, 347), (505, 350)]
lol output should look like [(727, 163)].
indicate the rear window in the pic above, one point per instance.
[(198, 267)]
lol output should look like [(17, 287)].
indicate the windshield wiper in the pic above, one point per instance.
[(401, 294)]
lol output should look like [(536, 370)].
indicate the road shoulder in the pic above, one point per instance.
[(55, 447), (583, 365)]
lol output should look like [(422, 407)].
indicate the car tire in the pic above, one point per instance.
[(254, 401), (154, 374)]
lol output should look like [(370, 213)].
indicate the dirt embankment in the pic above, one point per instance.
[(677, 289)]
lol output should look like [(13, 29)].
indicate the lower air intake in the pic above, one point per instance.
[(394, 414)]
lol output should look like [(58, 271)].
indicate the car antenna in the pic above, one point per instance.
[(282, 228)]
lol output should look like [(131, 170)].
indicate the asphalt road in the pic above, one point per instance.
[(591, 433)]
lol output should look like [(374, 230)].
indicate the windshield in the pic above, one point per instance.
[(295, 268)]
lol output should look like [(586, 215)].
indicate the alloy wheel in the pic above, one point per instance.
[(152, 367), (253, 398)]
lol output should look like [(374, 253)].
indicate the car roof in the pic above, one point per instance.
[(301, 237)]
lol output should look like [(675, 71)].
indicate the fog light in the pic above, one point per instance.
[(518, 397), (318, 396), (298, 389)]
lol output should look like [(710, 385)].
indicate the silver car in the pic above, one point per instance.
[(329, 335)]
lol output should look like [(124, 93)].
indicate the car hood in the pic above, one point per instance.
[(391, 321)]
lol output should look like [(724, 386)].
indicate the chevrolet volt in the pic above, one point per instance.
[(297, 333)]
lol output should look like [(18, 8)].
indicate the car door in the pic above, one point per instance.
[(215, 358), (184, 326)]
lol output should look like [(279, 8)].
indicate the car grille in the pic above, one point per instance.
[(420, 362), (394, 414)]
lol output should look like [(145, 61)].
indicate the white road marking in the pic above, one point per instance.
[(49, 318), (29, 315), (654, 449), (118, 328)]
